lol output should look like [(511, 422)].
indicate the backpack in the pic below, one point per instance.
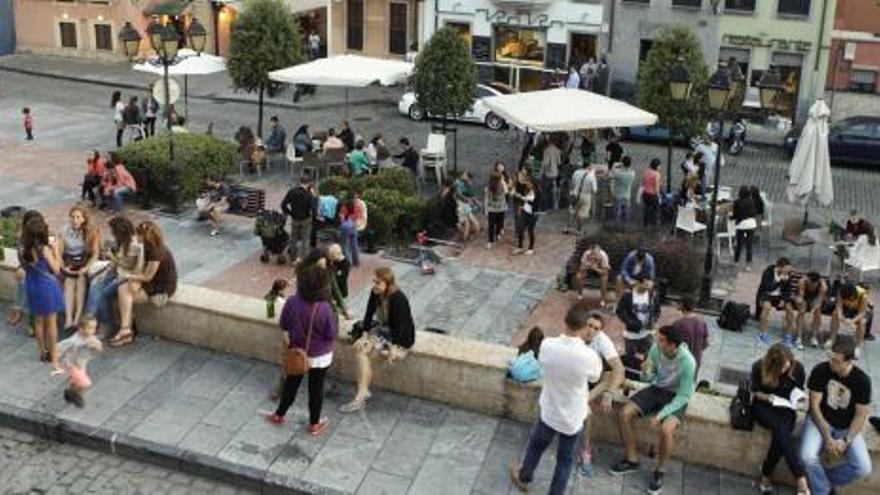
[(734, 316), (525, 368), (741, 408)]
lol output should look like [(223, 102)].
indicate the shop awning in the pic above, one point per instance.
[(345, 70), (167, 7), (557, 110), (299, 6)]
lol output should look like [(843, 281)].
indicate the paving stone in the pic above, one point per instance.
[(379, 483), (404, 451), (434, 476), (343, 462), (464, 435)]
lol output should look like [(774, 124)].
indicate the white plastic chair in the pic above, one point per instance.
[(686, 220), (729, 235), (433, 156), (864, 258)]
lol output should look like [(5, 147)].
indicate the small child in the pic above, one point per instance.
[(28, 124), (279, 291), (75, 352)]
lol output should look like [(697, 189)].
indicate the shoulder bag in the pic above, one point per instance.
[(296, 359)]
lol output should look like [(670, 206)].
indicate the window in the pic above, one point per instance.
[(397, 29), (863, 81), (794, 7), (688, 3), (740, 5), (520, 44), (646, 2), (484, 92), (463, 29), (68, 34), (644, 48), (103, 37), (860, 130), (355, 25)]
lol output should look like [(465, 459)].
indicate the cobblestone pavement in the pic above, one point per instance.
[(32, 465)]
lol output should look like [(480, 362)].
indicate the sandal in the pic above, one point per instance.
[(123, 338), (355, 405)]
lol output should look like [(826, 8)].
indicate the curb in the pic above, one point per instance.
[(218, 99), (126, 446)]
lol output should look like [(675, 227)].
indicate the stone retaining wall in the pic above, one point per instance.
[(463, 373)]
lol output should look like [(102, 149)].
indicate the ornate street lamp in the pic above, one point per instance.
[(720, 92), (770, 85), (680, 90), (154, 33), (130, 40), (198, 36)]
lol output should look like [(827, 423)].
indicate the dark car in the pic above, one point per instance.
[(652, 134), (852, 140)]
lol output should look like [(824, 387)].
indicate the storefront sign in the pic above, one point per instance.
[(777, 43), (518, 18)]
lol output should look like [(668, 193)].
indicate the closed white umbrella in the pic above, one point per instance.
[(810, 169), (188, 63)]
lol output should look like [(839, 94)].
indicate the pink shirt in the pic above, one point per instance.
[(650, 182)]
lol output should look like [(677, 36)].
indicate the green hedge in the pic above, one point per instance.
[(199, 156)]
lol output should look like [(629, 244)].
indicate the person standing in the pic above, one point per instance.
[(745, 220), (840, 401), (309, 323), (651, 182), (613, 151), (776, 379), (526, 218), (75, 352), (299, 204), (150, 111), (693, 330), (118, 107), (670, 370), (622, 178), (574, 78), (347, 136), (277, 137), (42, 264), (496, 206), (28, 123), (348, 230), (568, 365), (583, 186), (314, 45), (550, 175)]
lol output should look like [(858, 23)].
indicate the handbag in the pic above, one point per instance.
[(741, 408), (296, 359)]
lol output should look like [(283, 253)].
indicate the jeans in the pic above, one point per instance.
[(119, 195), (496, 225), (525, 224), (780, 421), (651, 203), (101, 298), (744, 237), (300, 232), (621, 210), (857, 464), (539, 440), (350, 246), (316, 393), (548, 192), (150, 126)]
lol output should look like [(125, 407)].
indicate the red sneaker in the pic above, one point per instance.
[(319, 428), (275, 419)]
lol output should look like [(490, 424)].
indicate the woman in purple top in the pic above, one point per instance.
[(309, 308)]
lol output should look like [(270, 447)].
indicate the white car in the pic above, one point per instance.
[(477, 113)]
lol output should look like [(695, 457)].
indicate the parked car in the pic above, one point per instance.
[(851, 140), (653, 134), (477, 113)]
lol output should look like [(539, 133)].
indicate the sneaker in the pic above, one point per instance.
[(275, 419), (858, 353), (814, 342), (515, 471), (68, 395), (748, 268), (787, 341), (656, 484), (317, 429), (799, 344), (215, 233), (530, 252), (828, 344), (585, 465), (76, 398), (488, 245), (623, 467), (518, 251), (762, 338), (870, 337)]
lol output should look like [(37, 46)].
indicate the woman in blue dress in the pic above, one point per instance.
[(42, 263)]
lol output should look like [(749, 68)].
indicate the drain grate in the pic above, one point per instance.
[(732, 376)]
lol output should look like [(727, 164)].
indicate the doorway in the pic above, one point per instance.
[(581, 48)]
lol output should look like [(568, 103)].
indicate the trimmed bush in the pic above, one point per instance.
[(679, 262), (392, 179), (394, 217), (199, 155)]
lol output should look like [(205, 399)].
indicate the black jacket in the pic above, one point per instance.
[(400, 321), (299, 204), (744, 209), (769, 283), (627, 314), (410, 159)]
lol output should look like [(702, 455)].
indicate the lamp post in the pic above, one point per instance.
[(165, 41), (680, 90)]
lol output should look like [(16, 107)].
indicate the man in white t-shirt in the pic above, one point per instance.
[(568, 365), (601, 393)]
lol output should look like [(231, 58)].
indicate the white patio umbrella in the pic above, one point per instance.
[(188, 63), (810, 170), (563, 109), (348, 71)]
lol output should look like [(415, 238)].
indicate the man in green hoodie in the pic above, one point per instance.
[(670, 369)]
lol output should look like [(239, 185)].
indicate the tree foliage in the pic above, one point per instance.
[(445, 76), (688, 117)]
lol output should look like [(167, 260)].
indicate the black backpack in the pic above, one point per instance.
[(734, 316), (741, 408)]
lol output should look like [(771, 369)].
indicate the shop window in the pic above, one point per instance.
[(863, 81), (68, 34), (355, 25), (397, 29), (693, 4), (463, 29), (794, 7), (103, 37), (791, 80), (520, 44), (742, 57), (740, 5)]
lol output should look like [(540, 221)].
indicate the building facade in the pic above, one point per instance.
[(7, 28), (853, 79), (374, 28), (791, 36), (634, 24)]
